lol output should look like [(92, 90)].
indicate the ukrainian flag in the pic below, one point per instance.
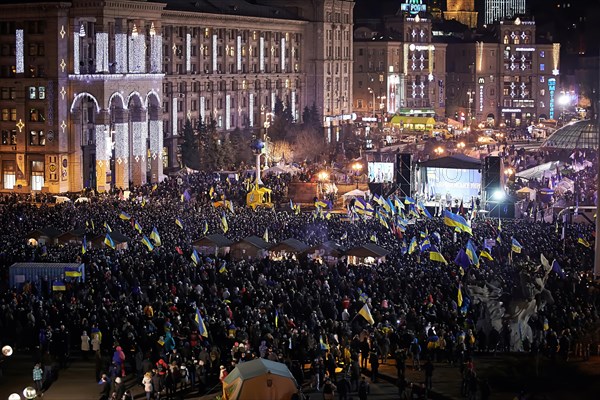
[(373, 238), (58, 286), (276, 318), (516, 246), (409, 200), (195, 257), (205, 230), (200, 322), (458, 221), (435, 255), (366, 314), (471, 251), (398, 204), (223, 268), (224, 224), (266, 235), (154, 187), (404, 248), (84, 245), (486, 254), (124, 216), (425, 245), (459, 299), (72, 272), (155, 236), (109, 242), (178, 223), (424, 210), (413, 245), (137, 227), (147, 243), (107, 227), (320, 204)]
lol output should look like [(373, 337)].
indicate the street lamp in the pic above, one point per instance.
[(29, 393), (470, 93), (509, 172), (357, 167), (322, 177), (373, 103), (438, 151), (460, 145)]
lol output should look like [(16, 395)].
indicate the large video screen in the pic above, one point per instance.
[(459, 183), (381, 172)]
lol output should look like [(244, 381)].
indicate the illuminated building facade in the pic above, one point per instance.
[(508, 80), (95, 93), (398, 69), (462, 11)]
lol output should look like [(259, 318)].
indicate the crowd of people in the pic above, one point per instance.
[(179, 324)]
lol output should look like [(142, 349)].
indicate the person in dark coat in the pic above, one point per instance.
[(104, 387)]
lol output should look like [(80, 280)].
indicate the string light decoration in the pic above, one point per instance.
[(101, 52), (152, 30), (405, 60), (282, 54), (121, 53), (81, 30), (140, 136), (62, 32), (203, 108), (20, 61), (251, 109), (156, 138), (479, 56), (121, 137), (155, 53), (555, 58), (227, 112), (103, 152), (239, 53), (137, 54), (273, 101), (293, 105), (134, 31), (261, 53), (214, 53), (174, 116), (76, 40), (188, 52)]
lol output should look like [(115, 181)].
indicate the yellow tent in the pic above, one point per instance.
[(259, 197), (260, 379)]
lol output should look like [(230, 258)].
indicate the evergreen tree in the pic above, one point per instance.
[(190, 155)]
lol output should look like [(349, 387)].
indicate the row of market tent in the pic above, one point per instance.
[(251, 247)]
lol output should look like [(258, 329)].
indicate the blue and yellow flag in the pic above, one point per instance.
[(107, 227), (84, 245), (413, 245), (195, 257), (137, 227), (462, 259), (72, 272), (515, 246), (409, 200), (373, 238), (425, 245), (109, 242), (266, 235), (458, 221), (486, 254), (201, 326), (320, 204), (435, 255), (223, 268), (147, 243), (124, 216), (404, 248), (205, 229), (459, 299), (344, 236), (471, 251), (366, 314), (398, 204), (178, 223), (155, 237), (224, 224), (58, 286), (154, 187), (276, 318)]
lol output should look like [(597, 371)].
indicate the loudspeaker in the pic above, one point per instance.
[(492, 175), (403, 173)]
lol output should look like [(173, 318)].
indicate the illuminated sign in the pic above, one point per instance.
[(525, 49), (413, 6), (480, 96), (511, 110), (551, 89)]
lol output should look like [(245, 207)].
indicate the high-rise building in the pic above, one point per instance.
[(497, 10), (509, 78), (96, 94), (462, 11)]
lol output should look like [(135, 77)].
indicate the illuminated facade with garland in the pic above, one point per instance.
[(95, 93), (506, 78)]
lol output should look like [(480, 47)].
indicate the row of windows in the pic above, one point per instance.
[(9, 174), (35, 114), (222, 86), (222, 33), (31, 71), (34, 93)]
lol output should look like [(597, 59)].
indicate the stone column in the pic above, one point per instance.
[(155, 128), (121, 139), (139, 134), (74, 168)]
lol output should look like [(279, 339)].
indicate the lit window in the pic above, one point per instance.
[(542, 67), (32, 93)]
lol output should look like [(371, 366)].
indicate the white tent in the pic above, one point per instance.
[(277, 170), (354, 194), (564, 185), (545, 170), (61, 199), (82, 200)]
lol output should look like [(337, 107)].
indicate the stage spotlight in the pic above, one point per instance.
[(498, 195)]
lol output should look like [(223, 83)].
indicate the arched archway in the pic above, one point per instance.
[(81, 170)]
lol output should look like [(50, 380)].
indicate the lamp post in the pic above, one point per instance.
[(357, 167), (438, 151), (373, 103), (460, 146), (470, 93), (322, 177)]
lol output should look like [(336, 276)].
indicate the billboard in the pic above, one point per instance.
[(380, 172), (459, 183)]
